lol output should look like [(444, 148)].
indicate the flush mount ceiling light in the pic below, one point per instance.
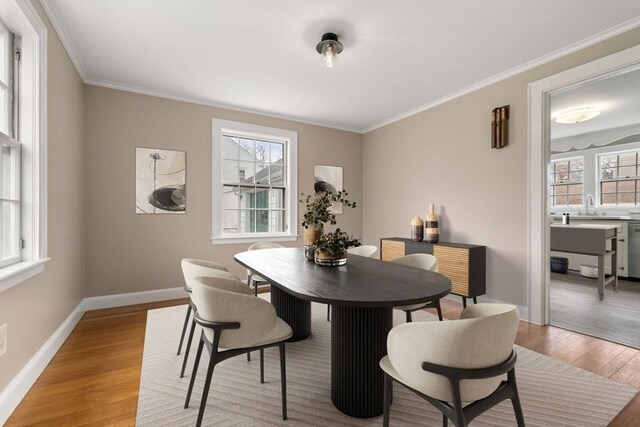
[(329, 47), (577, 116)]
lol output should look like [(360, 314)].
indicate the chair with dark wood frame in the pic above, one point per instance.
[(441, 385), (257, 327), (426, 262)]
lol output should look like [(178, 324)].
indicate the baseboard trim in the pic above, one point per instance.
[(120, 300), (524, 311), (17, 389)]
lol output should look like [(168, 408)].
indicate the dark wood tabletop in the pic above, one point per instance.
[(362, 282)]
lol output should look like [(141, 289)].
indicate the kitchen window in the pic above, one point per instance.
[(619, 178), (254, 183), (566, 182)]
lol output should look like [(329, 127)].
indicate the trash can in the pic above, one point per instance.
[(559, 264)]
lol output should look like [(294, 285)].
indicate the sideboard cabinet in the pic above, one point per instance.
[(465, 265)]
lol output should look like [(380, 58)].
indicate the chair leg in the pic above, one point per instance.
[(248, 356), (283, 380), (194, 372), (445, 420), (409, 319), (328, 312), (184, 328), (261, 366), (439, 308), (515, 399), (458, 411), (475, 300), (464, 304), (186, 351), (255, 288), (207, 384), (387, 400)]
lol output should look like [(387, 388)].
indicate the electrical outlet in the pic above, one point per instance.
[(3, 339)]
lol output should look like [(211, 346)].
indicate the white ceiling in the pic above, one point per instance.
[(399, 56), (617, 98)]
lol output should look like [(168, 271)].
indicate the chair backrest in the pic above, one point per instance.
[(364, 250), (192, 268), (264, 245), (483, 337), (222, 299), (424, 261)]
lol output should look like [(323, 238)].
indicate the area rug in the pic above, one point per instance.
[(552, 393)]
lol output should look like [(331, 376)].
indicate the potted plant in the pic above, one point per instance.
[(331, 248), (317, 213)]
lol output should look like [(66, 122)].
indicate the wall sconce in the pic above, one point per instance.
[(500, 127), (329, 47)]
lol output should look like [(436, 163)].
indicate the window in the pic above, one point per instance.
[(254, 183), (10, 149), (23, 136), (619, 178), (566, 182)]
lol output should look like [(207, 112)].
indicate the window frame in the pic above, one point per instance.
[(553, 184), (290, 138), (21, 18), (617, 180)]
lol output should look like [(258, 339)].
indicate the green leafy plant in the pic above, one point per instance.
[(334, 244), (318, 208)]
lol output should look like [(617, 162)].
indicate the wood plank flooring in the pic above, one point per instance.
[(94, 378)]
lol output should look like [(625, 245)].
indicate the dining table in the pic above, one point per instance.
[(362, 294)]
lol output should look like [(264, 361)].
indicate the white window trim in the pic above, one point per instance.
[(221, 126), (599, 180), (21, 17)]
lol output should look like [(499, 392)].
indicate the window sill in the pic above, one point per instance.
[(253, 239), (17, 273)]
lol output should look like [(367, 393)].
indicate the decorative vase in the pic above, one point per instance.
[(310, 237), (322, 258), (417, 229), (431, 226)]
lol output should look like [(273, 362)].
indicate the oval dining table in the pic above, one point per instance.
[(362, 295)]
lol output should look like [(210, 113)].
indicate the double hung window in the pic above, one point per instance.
[(619, 178), (254, 183), (10, 162), (566, 182)]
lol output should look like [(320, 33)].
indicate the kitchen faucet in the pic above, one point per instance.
[(589, 202)]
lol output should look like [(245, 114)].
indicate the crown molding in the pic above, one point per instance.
[(75, 59), (202, 101), (589, 41), (49, 9)]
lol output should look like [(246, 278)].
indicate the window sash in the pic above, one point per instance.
[(614, 165)]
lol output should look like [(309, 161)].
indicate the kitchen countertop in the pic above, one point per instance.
[(601, 217), (587, 226)]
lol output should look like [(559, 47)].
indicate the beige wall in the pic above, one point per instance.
[(34, 309), (443, 156), (126, 252)]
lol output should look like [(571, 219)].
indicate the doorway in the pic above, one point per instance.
[(539, 155)]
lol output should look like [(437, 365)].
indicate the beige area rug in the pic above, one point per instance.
[(552, 393)]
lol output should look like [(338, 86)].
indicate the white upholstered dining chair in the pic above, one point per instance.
[(448, 363), (192, 268), (425, 262), (253, 280), (234, 322)]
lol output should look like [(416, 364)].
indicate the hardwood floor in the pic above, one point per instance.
[(94, 378)]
